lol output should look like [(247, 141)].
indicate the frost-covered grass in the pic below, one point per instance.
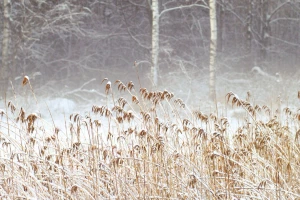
[(141, 144)]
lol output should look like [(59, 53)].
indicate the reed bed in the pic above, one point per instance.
[(150, 145)]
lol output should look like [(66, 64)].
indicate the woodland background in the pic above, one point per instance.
[(71, 42)]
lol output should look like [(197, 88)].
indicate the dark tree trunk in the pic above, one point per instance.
[(4, 70)]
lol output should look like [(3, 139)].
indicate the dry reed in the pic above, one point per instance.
[(150, 146)]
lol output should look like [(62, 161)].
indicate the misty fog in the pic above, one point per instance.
[(67, 48)]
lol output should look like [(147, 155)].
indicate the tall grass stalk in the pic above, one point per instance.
[(150, 145)]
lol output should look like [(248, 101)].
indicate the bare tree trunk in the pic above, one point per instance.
[(249, 60), (220, 24), (249, 27), (5, 47), (155, 41), (213, 49), (265, 30)]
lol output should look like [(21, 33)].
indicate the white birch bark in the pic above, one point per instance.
[(155, 41), (213, 49)]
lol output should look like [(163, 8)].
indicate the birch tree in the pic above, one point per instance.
[(155, 41), (5, 46), (213, 49)]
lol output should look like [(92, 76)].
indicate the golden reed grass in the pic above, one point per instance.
[(150, 145)]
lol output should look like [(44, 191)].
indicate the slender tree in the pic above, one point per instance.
[(155, 40), (5, 46), (249, 27), (264, 30), (220, 23), (213, 49)]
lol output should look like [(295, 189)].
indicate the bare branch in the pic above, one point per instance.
[(182, 7)]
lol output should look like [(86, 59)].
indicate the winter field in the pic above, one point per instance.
[(116, 139)]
